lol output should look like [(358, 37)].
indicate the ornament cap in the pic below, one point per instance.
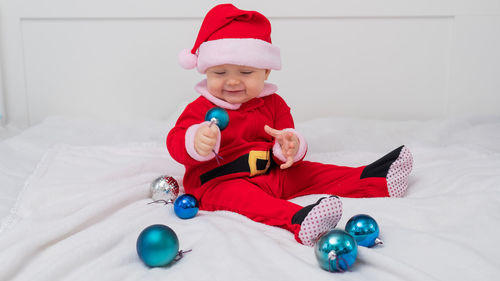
[(187, 59), (332, 255)]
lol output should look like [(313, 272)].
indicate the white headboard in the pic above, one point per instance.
[(117, 59)]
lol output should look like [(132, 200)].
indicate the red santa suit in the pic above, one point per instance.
[(248, 180)]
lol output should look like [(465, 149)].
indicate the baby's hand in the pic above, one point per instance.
[(205, 139), (289, 144)]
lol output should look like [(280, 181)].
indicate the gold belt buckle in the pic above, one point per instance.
[(253, 155)]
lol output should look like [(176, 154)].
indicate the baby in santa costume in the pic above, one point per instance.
[(255, 165)]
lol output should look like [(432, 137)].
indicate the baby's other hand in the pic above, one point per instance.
[(205, 139), (289, 144)]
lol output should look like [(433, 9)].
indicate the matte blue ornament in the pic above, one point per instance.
[(364, 229), (157, 245), (336, 250), (218, 116), (186, 206)]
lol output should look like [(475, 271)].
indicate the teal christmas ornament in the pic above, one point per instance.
[(336, 250), (157, 245), (218, 116), (186, 206), (364, 229)]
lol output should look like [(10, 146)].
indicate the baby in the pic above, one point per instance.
[(255, 165)]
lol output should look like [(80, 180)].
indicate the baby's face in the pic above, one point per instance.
[(236, 83)]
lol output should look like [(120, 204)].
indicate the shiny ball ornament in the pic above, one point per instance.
[(165, 188), (336, 250), (218, 116), (157, 245), (186, 206), (364, 229)]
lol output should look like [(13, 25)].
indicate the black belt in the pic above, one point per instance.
[(256, 162)]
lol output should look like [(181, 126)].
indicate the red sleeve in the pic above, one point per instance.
[(176, 144), (283, 118)]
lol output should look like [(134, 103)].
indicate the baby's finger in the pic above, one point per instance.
[(208, 140), (273, 132), (280, 140), (214, 129), (288, 163), (203, 149), (289, 135), (211, 132)]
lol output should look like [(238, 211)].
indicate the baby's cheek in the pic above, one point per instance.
[(215, 89)]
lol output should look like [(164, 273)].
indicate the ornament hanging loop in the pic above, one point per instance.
[(378, 241), (180, 254), (162, 201)]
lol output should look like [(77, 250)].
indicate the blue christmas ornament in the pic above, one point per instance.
[(336, 250), (186, 206), (218, 116), (364, 229), (157, 245)]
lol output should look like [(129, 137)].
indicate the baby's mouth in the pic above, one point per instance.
[(234, 92)]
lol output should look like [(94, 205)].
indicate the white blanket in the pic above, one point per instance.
[(80, 213)]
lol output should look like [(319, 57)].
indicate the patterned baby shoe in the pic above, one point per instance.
[(397, 176), (395, 167), (318, 218)]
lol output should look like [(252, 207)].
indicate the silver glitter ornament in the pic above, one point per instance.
[(165, 188)]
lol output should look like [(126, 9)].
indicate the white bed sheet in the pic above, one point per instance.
[(85, 189), (20, 154)]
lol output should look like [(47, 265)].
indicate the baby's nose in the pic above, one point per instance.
[(233, 82)]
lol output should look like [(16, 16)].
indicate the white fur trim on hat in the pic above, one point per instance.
[(245, 51), (187, 60)]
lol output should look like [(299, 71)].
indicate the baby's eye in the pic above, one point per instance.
[(246, 72), (219, 72)]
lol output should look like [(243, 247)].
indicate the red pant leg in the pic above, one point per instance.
[(248, 199), (307, 178)]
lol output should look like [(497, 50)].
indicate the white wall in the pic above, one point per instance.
[(2, 99), (117, 59)]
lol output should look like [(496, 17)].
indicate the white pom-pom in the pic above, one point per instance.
[(188, 60)]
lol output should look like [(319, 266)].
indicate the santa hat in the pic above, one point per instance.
[(229, 35)]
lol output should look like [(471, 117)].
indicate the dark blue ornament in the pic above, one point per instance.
[(186, 206), (364, 229), (219, 116), (336, 250), (157, 245)]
